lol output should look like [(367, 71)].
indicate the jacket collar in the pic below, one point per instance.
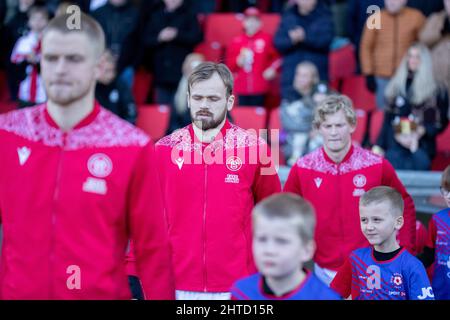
[(219, 136), (345, 159), (84, 122)]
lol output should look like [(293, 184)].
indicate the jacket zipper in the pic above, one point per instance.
[(341, 220), (53, 221), (204, 229)]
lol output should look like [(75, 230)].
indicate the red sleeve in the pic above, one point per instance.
[(293, 181), (407, 234), (149, 230), (431, 239), (266, 181), (342, 282)]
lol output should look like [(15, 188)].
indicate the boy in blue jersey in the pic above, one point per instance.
[(437, 249), (384, 270), (283, 230)]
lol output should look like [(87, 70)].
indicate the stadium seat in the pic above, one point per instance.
[(153, 119), (223, 27), (361, 124), (212, 51), (248, 117), (6, 106), (442, 158), (355, 88), (342, 63), (376, 123), (443, 141), (141, 86)]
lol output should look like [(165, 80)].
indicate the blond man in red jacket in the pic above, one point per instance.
[(76, 183), (333, 178)]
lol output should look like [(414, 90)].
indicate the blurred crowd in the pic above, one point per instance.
[(401, 48)]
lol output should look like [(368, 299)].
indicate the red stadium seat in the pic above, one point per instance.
[(223, 27), (443, 141), (6, 106), (153, 119), (342, 62), (442, 159), (141, 85), (249, 117), (212, 51), (361, 124), (376, 123), (355, 88)]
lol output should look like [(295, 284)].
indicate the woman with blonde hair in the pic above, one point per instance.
[(416, 113)]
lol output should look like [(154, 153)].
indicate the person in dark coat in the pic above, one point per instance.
[(120, 22), (304, 34), (171, 33), (15, 28)]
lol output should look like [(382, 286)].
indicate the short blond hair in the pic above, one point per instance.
[(384, 194), (332, 104), (88, 26), (290, 207)]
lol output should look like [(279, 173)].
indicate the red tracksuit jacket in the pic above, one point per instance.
[(335, 189), (69, 203), (209, 204), (249, 78)]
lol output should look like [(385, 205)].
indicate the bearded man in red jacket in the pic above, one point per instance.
[(212, 174)]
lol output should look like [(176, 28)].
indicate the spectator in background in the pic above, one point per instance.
[(297, 112), (304, 34), (382, 48), (356, 18), (120, 22), (253, 60), (14, 29), (112, 93), (436, 35), (171, 33), (27, 51), (181, 111), (416, 113)]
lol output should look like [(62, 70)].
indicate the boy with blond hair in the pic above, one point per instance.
[(384, 270)]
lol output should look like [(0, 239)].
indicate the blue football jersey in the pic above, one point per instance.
[(441, 275), (401, 278), (251, 288)]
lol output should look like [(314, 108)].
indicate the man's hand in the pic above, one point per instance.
[(297, 35), (167, 34)]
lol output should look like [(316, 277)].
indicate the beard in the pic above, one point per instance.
[(207, 123)]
